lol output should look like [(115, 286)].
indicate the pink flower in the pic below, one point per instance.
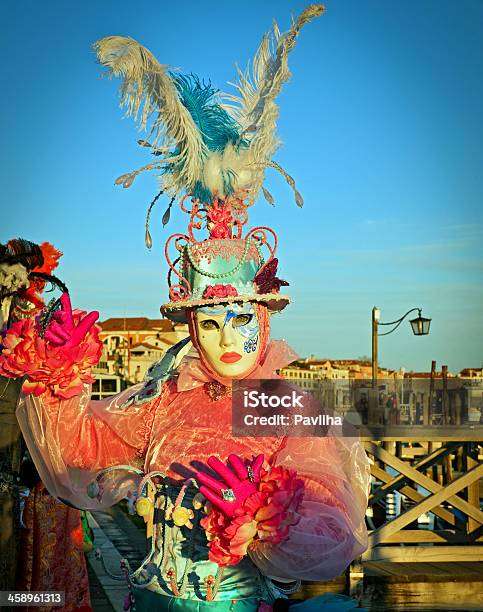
[(222, 555), (219, 291), (266, 516), (62, 369), (220, 221)]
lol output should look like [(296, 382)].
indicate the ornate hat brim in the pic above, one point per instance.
[(176, 311)]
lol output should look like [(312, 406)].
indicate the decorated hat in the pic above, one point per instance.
[(226, 267), (211, 151)]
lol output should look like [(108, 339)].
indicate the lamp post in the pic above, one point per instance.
[(419, 325)]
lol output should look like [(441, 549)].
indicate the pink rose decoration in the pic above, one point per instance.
[(62, 369), (265, 516), (220, 221), (219, 291)]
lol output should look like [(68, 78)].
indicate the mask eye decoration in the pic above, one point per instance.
[(246, 324), (209, 325), (242, 319)]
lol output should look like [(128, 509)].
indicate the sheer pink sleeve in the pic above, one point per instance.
[(331, 531), (70, 440)]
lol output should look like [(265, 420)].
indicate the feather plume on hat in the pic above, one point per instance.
[(206, 143)]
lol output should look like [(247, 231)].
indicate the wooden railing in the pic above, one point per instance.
[(445, 461)]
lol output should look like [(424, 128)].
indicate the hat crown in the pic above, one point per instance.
[(226, 266), (233, 262)]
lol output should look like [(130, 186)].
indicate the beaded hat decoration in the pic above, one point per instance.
[(226, 267), (214, 148)]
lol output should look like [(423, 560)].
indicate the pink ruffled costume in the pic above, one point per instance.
[(173, 426)]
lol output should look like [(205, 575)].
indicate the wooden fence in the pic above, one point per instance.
[(446, 463)]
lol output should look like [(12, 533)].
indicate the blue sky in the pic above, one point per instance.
[(382, 127)]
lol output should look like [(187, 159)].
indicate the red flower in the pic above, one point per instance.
[(219, 291), (62, 369), (266, 516), (220, 221), (51, 260)]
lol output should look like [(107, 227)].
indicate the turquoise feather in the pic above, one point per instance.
[(201, 192), (216, 126)]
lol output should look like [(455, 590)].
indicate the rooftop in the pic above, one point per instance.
[(467, 371), (426, 375), (136, 324), (307, 363)]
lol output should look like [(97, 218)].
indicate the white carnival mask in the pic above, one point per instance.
[(229, 337)]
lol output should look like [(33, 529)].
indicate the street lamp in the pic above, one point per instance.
[(419, 325)]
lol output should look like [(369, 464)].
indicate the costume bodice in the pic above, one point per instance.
[(179, 564)]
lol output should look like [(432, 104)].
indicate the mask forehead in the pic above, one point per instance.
[(220, 309)]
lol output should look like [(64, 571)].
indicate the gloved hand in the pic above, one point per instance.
[(62, 331), (236, 485)]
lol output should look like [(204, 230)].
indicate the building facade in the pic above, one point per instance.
[(333, 382), (130, 346), (400, 397)]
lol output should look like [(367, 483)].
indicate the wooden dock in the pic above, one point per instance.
[(412, 587)]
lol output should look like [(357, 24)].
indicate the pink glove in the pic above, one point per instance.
[(62, 330), (236, 485)]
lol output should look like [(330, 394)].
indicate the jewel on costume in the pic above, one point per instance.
[(216, 390), (228, 495)]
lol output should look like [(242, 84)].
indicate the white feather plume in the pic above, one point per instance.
[(229, 166), (151, 98), (254, 108)]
